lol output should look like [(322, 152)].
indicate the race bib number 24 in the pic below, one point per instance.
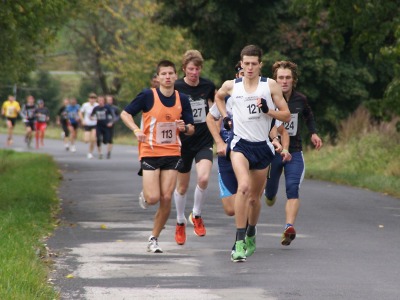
[(291, 127)]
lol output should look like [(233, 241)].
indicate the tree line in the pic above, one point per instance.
[(348, 52)]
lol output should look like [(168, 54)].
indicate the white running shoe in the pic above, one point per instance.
[(90, 156), (152, 246), (73, 148), (142, 202)]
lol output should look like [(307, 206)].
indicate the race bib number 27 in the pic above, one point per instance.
[(199, 111)]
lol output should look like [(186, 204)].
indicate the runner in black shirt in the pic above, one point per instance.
[(198, 147), (28, 116), (285, 74), (116, 111), (62, 119), (105, 117)]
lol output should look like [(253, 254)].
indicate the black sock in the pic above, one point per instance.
[(251, 230), (240, 234)]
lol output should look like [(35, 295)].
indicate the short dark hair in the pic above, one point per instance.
[(165, 63), (285, 64), (251, 50), (238, 67)]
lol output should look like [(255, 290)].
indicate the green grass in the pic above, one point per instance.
[(28, 201), (366, 156)]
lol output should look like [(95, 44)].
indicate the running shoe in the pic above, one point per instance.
[(288, 236), (198, 224), (142, 202), (239, 254), (250, 245), (66, 147), (152, 246), (108, 155), (180, 233), (270, 202), (90, 156), (73, 148)]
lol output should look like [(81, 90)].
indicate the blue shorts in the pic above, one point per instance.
[(259, 154), (227, 184), (294, 175)]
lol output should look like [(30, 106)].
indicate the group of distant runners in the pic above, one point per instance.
[(256, 125), (97, 117), (34, 115)]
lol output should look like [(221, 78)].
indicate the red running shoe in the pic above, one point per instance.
[(198, 224)]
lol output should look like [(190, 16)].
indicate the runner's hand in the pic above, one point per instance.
[(262, 103), (227, 123)]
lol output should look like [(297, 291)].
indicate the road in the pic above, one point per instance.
[(347, 245)]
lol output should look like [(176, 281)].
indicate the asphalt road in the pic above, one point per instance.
[(347, 247)]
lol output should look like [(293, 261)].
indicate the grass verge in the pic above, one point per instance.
[(366, 156), (28, 201)]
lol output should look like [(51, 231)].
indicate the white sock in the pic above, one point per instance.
[(180, 204), (199, 197)]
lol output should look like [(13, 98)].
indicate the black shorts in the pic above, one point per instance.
[(31, 124), (12, 120), (89, 128), (188, 156), (74, 125), (162, 163), (111, 134), (102, 135), (64, 125)]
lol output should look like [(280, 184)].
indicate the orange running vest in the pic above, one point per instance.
[(158, 124)]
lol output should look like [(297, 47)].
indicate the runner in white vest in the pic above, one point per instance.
[(254, 100)]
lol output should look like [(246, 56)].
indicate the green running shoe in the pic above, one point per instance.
[(270, 202), (250, 245), (239, 254)]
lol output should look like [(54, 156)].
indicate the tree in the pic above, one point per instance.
[(27, 27), (366, 34), (118, 44), (221, 28), (347, 52)]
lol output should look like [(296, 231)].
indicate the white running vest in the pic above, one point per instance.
[(250, 123)]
